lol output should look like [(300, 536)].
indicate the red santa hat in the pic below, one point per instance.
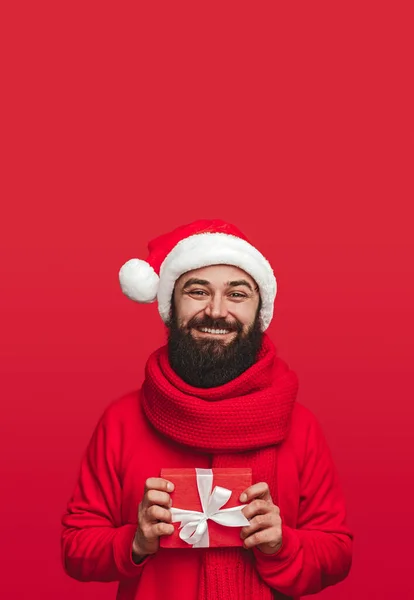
[(198, 244)]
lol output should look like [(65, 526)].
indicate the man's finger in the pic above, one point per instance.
[(265, 536), (258, 490), (162, 529), (156, 513), (160, 498), (158, 483), (256, 507), (259, 522)]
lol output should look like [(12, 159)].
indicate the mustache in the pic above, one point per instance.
[(206, 321)]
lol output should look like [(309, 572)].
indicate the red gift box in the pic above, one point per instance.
[(186, 496)]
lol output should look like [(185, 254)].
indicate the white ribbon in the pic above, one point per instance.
[(194, 528)]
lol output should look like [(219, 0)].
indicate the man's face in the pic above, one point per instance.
[(214, 327), (216, 302)]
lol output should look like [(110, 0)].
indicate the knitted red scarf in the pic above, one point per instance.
[(240, 424)]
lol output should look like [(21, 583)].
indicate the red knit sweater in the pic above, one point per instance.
[(101, 517)]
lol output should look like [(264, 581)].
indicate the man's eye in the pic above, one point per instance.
[(197, 292), (238, 295)]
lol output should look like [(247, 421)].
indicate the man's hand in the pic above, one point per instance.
[(154, 517), (265, 529)]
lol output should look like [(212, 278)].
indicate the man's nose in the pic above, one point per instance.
[(216, 307)]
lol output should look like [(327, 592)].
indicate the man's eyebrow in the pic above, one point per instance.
[(194, 280), (240, 282), (236, 283)]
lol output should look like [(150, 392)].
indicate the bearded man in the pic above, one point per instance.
[(217, 395)]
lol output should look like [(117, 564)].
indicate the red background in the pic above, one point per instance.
[(294, 121)]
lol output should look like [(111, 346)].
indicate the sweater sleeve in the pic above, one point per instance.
[(318, 552), (95, 545)]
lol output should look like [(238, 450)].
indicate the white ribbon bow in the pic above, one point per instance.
[(194, 528)]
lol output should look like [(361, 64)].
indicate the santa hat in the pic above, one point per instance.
[(198, 244)]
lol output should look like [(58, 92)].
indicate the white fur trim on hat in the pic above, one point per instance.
[(138, 280), (205, 249)]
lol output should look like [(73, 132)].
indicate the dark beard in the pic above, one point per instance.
[(207, 363)]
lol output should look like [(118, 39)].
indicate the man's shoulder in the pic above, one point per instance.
[(305, 434), (123, 408), (302, 416), (304, 423)]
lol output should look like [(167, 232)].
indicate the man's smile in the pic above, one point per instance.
[(207, 331)]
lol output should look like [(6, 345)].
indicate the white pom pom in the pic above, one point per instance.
[(138, 280)]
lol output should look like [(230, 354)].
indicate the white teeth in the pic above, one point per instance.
[(216, 331)]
